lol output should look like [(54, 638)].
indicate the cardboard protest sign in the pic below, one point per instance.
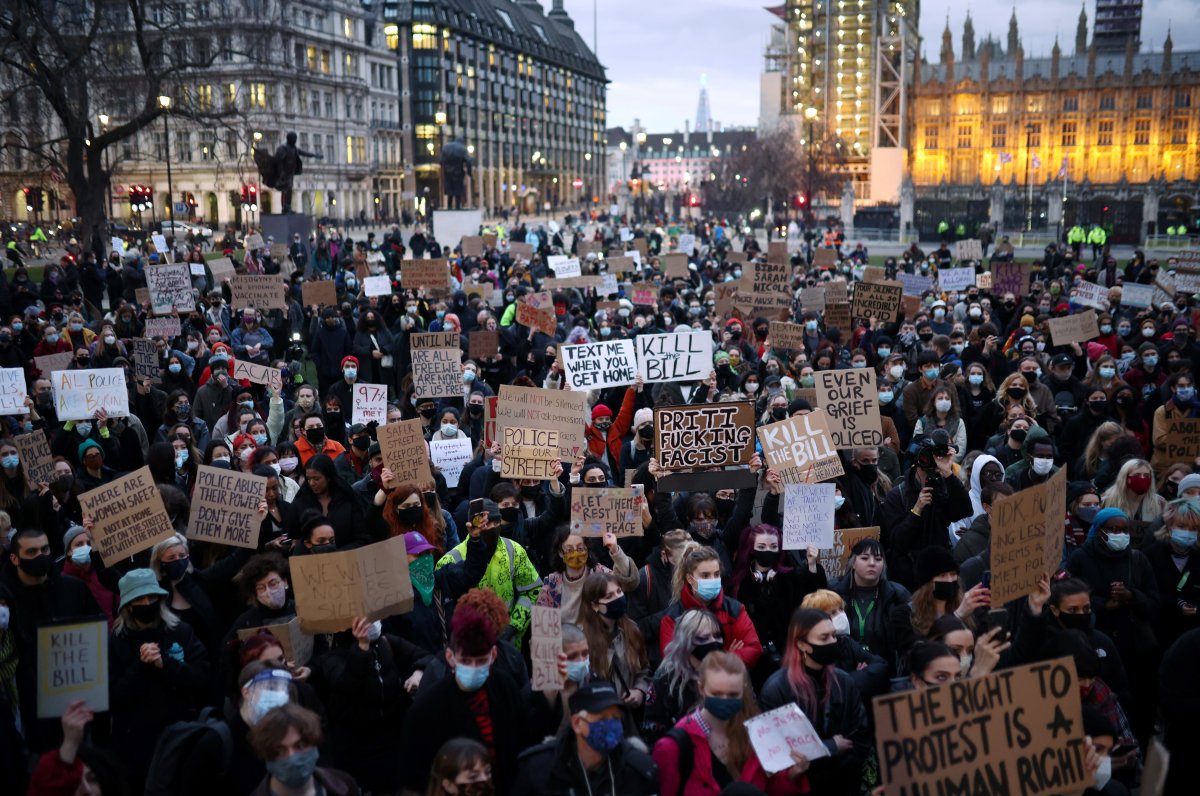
[(253, 242), (542, 319), (681, 356), (910, 305), (370, 403), (168, 327), (1077, 328), (644, 296), (483, 344), (518, 249), (620, 264), (766, 287), (528, 453), (1022, 525), (34, 450), (777, 251), (48, 363), (879, 300), (801, 449), (1010, 278), (145, 361), (837, 316), (225, 507), (142, 296), (72, 663), (595, 512), (279, 251), (12, 391), (874, 273), (1165, 282), (1135, 295), (436, 365), (726, 295), (377, 286), (574, 282), (787, 336), (1181, 443), (956, 278), (450, 456), (1187, 279), (170, 288), (564, 266), (836, 559), (472, 245), (432, 275), (403, 448), (79, 394), (837, 291), (129, 516), (852, 401), (824, 258), (1089, 294), (914, 284), (565, 411), (984, 281), (258, 374), (808, 515), (812, 299), (779, 732), (545, 645), (297, 645), (704, 436), (1023, 727), (675, 265), (332, 589), (592, 366), (969, 249), (222, 269), (261, 291)]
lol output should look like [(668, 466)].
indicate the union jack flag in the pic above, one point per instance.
[(1005, 157)]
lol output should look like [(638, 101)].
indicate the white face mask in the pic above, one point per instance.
[(965, 662), (942, 404), (841, 624), (1104, 773), (1043, 466), (897, 371)]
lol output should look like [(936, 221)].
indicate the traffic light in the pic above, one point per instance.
[(189, 198), (38, 200), (245, 198), (28, 198), (253, 191), (139, 198)]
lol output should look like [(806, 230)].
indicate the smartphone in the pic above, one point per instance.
[(998, 617), (475, 509), (987, 579)]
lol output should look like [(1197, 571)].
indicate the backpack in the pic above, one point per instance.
[(687, 755), (177, 745)]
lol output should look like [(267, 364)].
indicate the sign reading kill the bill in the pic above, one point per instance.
[(565, 411), (72, 664), (128, 515), (333, 588), (545, 645), (851, 399), (800, 448), (225, 507), (595, 512), (1017, 731), (677, 356), (528, 453), (1009, 278), (698, 437)]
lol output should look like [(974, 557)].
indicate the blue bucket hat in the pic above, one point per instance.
[(139, 583)]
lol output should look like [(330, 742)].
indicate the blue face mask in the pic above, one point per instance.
[(83, 428), (708, 588), (260, 439), (605, 735), (975, 378), (296, 770), (18, 326), (1117, 541), (471, 678), (81, 556), (266, 701), (440, 314), (605, 331), (810, 326), (1186, 394), (449, 430), (1150, 361), (181, 458), (1184, 538), (51, 338), (351, 373), (175, 367), (883, 353), (723, 708), (10, 462), (577, 671), (468, 376), (932, 373), (885, 397), (28, 426)]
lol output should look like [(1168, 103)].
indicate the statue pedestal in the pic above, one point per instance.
[(281, 226), (449, 226)]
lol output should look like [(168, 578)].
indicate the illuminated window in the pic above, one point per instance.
[(1141, 132), (999, 105), (258, 95), (204, 97), (348, 27), (231, 94), (999, 136), (931, 137), (424, 37), (311, 58), (933, 108), (1104, 133), (1035, 104), (349, 149), (1068, 134), (964, 136), (325, 62)]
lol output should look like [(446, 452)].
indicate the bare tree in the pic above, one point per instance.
[(777, 167), (63, 63)]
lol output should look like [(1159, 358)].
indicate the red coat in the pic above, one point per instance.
[(735, 624), (596, 441), (701, 782)]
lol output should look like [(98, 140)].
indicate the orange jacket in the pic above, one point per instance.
[(621, 424)]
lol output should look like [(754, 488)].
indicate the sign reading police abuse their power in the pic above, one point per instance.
[(679, 356), (72, 664), (80, 394), (594, 366), (852, 401), (225, 507), (801, 449), (1018, 731)]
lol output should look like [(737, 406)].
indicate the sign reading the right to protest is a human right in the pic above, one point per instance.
[(1016, 731), (851, 399)]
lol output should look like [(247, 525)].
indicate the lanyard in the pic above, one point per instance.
[(862, 619)]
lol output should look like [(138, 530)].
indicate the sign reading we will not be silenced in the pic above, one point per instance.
[(80, 394), (332, 589), (594, 366), (225, 507), (1018, 731)]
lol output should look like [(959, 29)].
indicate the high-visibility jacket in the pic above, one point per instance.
[(511, 575), (943, 226)]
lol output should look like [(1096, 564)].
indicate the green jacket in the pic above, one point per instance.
[(943, 226), (511, 575), (1097, 236)]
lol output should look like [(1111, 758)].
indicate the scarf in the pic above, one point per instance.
[(421, 573), (8, 668)]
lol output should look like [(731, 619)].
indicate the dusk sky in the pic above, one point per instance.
[(655, 52)]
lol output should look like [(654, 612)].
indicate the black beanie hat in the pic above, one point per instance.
[(931, 562)]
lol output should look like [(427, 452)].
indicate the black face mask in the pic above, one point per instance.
[(362, 443), (529, 492), (410, 515), (328, 547), (824, 654), (1018, 434), (38, 566), (510, 514), (646, 432), (1017, 393), (145, 614), (724, 505), (475, 409), (766, 558), (701, 651), (869, 473), (1081, 622), (426, 413), (779, 414), (945, 590), (315, 436)]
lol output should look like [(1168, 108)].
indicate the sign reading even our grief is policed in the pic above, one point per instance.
[(801, 449), (851, 399), (528, 453), (595, 512), (1018, 731), (678, 356), (80, 394), (128, 515), (331, 589), (593, 366), (225, 507), (72, 663), (704, 435)]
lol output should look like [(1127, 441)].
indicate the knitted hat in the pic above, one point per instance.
[(646, 415), (70, 535), (599, 411), (1103, 516), (350, 358), (89, 443), (1077, 489), (931, 562), (1028, 320), (1188, 481)]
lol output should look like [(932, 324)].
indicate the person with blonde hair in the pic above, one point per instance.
[(1088, 464), (716, 736), (868, 670), (697, 584), (1175, 559), (1134, 493), (697, 634)]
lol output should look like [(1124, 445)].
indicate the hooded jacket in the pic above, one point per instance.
[(1019, 475)]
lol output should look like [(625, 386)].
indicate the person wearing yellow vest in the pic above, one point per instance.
[(1076, 238), (1097, 237)]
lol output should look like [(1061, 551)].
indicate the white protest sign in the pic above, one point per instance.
[(681, 356), (160, 244), (626, 234), (563, 266), (636, 256), (593, 366), (450, 456), (1135, 295), (1089, 294), (79, 394), (779, 732), (808, 516), (608, 284), (12, 391), (687, 242), (170, 288), (370, 403), (117, 244), (377, 286), (197, 269), (956, 278)]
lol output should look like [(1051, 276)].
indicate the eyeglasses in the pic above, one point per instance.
[(574, 550)]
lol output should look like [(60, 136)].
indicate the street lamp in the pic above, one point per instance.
[(810, 113), (164, 102), (104, 120), (1028, 178)]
